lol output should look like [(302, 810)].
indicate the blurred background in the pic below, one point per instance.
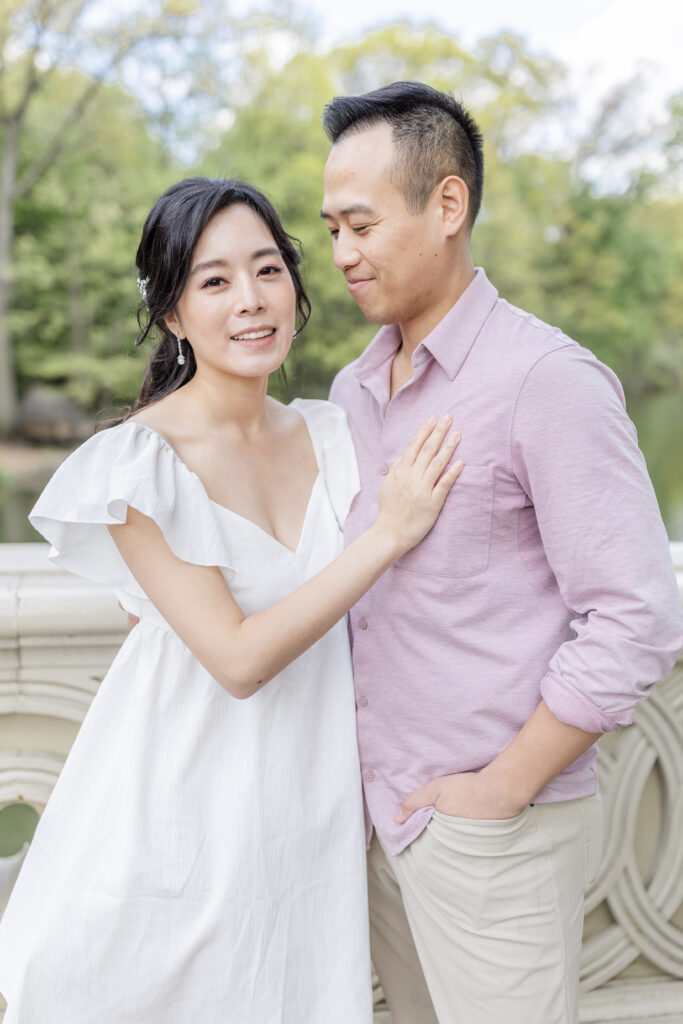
[(103, 105)]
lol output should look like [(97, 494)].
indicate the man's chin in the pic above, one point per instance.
[(381, 317)]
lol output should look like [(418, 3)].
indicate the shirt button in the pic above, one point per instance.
[(363, 623), (363, 701), (384, 469), (370, 776)]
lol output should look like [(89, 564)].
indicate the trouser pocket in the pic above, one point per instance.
[(590, 811)]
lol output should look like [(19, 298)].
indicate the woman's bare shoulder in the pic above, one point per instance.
[(161, 416)]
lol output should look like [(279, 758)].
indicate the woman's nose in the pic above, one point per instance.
[(249, 297)]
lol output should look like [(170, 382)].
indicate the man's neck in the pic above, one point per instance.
[(416, 330)]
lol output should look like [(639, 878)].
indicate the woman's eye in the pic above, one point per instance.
[(270, 271), (213, 282)]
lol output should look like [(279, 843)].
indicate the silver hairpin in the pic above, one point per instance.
[(142, 283)]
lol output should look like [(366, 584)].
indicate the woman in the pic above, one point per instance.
[(201, 858)]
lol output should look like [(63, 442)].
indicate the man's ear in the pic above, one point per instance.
[(454, 198)]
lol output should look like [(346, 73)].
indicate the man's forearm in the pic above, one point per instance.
[(542, 749)]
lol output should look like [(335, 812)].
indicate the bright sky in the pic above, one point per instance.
[(603, 42)]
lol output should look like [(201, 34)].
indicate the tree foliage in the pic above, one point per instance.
[(74, 286), (602, 263), (604, 267), (160, 45)]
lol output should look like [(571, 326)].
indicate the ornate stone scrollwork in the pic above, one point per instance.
[(28, 776), (59, 634), (642, 901)]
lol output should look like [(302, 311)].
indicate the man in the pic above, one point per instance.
[(538, 611)]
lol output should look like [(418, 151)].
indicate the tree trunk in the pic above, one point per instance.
[(8, 384), (74, 290)]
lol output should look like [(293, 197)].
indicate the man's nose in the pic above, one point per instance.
[(345, 253)]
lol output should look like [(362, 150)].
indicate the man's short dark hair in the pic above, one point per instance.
[(433, 133)]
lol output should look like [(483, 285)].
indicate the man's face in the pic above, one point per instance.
[(391, 258)]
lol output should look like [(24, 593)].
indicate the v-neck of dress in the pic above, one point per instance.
[(266, 533), (245, 519)]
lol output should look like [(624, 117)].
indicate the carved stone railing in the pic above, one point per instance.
[(58, 635)]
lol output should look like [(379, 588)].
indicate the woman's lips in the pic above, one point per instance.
[(255, 342)]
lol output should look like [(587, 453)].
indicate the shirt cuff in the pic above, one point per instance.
[(574, 708)]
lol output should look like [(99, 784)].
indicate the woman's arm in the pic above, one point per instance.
[(244, 652)]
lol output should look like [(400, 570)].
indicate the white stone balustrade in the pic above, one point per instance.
[(58, 635)]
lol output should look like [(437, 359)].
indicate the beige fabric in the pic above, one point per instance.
[(480, 921)]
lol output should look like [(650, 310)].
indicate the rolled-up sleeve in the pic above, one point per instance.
[(575, 453)]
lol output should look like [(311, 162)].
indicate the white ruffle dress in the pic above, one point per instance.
[(201, 858)]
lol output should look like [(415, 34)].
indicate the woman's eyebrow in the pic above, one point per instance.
[(271, 250), (207, 264), (220, 262)]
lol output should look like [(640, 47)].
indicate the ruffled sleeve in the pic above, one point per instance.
[(127, 465), (335, 452)]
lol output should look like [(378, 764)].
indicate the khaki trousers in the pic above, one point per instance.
[(480, 922)]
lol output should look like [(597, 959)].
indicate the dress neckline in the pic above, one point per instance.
[(236, 515), (266, 533)]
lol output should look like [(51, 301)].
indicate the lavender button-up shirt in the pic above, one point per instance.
[(548, 574)]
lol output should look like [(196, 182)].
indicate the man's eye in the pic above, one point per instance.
[(360, 228), (334, 232)]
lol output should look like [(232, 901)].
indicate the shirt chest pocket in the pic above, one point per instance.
[(458, 544)]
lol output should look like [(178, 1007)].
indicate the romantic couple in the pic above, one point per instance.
[(202, 859)]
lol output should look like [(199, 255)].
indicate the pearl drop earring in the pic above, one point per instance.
[(181, 357)]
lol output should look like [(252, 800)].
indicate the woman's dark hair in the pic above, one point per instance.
[(169, 238)]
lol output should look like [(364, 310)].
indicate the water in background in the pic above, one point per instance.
[(658, 419)]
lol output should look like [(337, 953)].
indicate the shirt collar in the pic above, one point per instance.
[(449, 342)]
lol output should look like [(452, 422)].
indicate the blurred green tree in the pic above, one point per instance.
[(72, 316), (277, 143), (604, 267), (41, 42), (602, 261)]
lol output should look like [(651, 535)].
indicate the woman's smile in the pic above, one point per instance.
[(258, 337)]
